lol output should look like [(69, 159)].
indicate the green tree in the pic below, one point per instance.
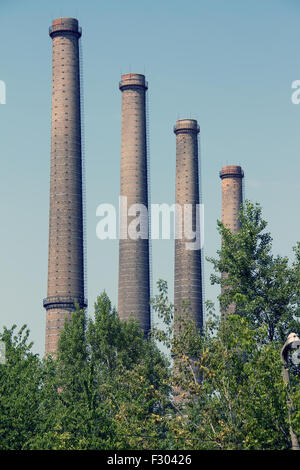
[(227, 379), (108, 388), (71, 415), (230, 389), (264, 288), (20, 382)]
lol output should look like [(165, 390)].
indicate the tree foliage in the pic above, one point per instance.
[(219, 388), (107, 389), (237, 400), (264, 288), (20, 382)]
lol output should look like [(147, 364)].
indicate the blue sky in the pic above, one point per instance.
[(228, 64)]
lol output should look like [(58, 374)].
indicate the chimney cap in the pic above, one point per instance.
[(60, 25), (186, 125), (231, 171), (133, 80)]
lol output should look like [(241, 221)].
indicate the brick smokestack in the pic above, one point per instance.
[(66, 248), (232, 196), (188, 269), (134, 278), (232, 199)]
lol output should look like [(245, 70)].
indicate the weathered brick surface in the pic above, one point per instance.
[(134, 282), (188, 270), (65, 260), (232, 199), (232, 196)]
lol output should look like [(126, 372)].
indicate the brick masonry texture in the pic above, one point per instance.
[(66, 257), (232, 199), (188, 269), (232, 196), (134, 280)]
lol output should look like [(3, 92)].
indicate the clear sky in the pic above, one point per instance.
[(229, 64)]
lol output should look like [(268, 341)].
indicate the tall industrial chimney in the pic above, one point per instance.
[(232, 196), (232, 200), (188, 268), (134, 278), (66, 244)]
